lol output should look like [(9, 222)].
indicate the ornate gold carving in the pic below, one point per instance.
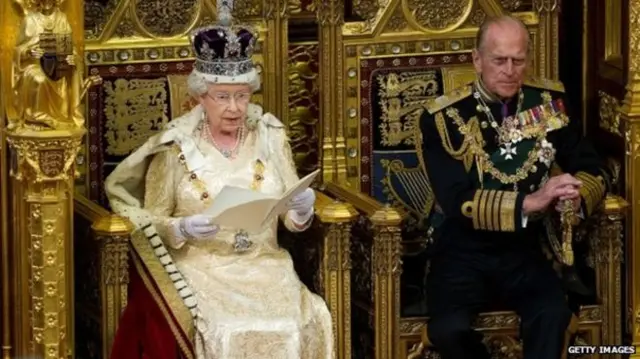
[(607, 249), (135, 109), (96, 14), (296, 7), (590, 314), (503, 346), (370, 18), (330, 17), (403, 99), (543, 6), (43, 188), (243, 9), (366, 9), (121, 30), (166, 18), (501, 333), (397, 21), (47, 287), (387, 268), (511, 5), (330, 12), (126, 27), (634, 37), (45, 156), (477, 17), (337, 219), (457, 77), (52, 162), (303, 105), (630, 116), (113, 233), (613, 33), (609, 116), (437, 15), (497, 320), (48, 88)]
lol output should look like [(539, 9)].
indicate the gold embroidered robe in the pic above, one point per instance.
[(252, 304)]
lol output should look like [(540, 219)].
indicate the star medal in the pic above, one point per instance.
[(546, 153), (507, 151)]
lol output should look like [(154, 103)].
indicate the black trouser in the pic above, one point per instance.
[(460, 285)]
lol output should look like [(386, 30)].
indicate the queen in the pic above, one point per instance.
[(197, 289)]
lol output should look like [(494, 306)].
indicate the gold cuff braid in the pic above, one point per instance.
[(592, 190), (492, 210)]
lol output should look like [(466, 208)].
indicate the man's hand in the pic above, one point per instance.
[(577, 202), (559, 187)]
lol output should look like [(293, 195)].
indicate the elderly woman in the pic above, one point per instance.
[(200, 290)]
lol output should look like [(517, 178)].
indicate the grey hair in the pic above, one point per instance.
[(502, 19), (198, 85)]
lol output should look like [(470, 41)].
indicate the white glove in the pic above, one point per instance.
[(196, 227), (302, 205)]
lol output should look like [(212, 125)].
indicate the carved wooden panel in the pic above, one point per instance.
[(303, 102), (605, 51)]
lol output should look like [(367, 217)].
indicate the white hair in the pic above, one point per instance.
[(198, 83)]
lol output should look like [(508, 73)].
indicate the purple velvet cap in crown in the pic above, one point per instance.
[(223, 50)]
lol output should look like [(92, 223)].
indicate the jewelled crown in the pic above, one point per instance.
[(223, 49)]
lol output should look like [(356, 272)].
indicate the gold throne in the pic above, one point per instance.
[(144, 88), (351, 94), (397, 57)]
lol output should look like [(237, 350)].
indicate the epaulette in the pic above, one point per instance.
[(545, 84), (449, 99)]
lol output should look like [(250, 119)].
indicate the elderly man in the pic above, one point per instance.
[(489, 148)]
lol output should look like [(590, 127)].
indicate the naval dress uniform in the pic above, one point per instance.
[(483, 156)]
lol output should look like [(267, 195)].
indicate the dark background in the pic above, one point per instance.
[(570, 45)]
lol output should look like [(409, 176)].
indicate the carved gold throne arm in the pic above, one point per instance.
[(608, 253), (385, 267), (337, 219)]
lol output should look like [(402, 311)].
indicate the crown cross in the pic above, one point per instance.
[(233, 47)]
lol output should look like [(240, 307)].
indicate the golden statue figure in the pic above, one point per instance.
[(48, 88)]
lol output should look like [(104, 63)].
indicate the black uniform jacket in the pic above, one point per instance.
[(480, 184)]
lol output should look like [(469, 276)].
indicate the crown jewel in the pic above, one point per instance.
[(223, 49)]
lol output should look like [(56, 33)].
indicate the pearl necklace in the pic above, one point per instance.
[(227, 153)]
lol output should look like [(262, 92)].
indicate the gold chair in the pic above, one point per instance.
[(395, 327), (321, 255), (397, 59)]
